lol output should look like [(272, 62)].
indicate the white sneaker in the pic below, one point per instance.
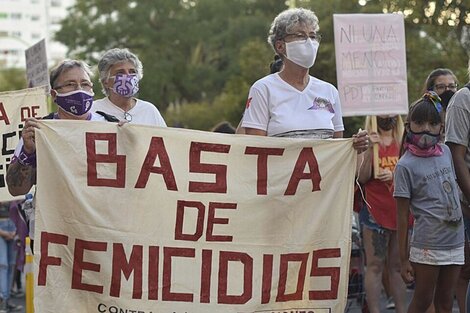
[(390, 304)]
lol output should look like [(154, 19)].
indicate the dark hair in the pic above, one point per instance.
[(426, 109), (276, 65), (431, 79), (224, 127)]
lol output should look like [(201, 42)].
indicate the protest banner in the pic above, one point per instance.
[(371, 63), (36, 65), (15, 107), (149, 219)]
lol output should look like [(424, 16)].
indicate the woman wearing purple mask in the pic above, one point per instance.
[(72, 91), (120, 72)]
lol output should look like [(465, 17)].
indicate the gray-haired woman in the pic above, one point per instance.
[(291, 103), (120, 71)]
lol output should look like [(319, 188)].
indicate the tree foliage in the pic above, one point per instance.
[(201, 56), (12, 79)]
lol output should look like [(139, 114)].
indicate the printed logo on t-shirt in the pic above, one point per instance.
[(248, 102), (322, 104)]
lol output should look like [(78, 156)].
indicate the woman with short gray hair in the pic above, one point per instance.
[(292, 103), (120, 72)]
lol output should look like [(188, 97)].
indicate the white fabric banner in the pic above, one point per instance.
[(371, 63), (148, 219), (15, 107)]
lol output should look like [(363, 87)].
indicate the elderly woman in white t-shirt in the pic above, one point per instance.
[(292, 103), (120, 72)]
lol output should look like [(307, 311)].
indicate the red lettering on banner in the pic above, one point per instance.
[(199, 229), (195, 166), (121, 265), (332, 272), (169, 253), (267, 278), (211, 220), (47, 260), (224, 258), (27, 112), (111, 157), (79, 265), (283, 273), (262, 178), (227, 277), (306, 157), (3, 114), (157, 148), (206, 273), (154, 253), (180, 208)]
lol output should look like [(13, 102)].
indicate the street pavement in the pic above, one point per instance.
[(19, 301), (355, 306)]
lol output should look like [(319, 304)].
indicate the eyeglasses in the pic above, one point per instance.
[(443, 87), (304, 37), (71, 86)]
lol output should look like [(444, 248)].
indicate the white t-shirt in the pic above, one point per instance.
[(278, 108), (143, 112)]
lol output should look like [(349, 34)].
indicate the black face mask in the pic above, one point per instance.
[(445, 97), (386, 123)]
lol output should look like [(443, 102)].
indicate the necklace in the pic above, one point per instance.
[(127, 116)]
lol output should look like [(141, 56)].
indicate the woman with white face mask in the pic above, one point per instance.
[(120, 72), (292, 103)]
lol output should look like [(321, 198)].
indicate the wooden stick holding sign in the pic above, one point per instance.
[(375, 147)]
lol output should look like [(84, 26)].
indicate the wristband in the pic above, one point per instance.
[(26, 159)]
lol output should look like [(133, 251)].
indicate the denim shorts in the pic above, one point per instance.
[(7, 248), (7, 225), (367, 220)]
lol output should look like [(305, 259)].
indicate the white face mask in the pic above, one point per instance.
[(302, 53)]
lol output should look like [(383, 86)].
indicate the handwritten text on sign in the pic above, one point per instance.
[(371, 63)]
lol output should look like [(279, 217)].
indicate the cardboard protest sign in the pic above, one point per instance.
[(371, 63), (36, 65), (15, 107), (149, 219)]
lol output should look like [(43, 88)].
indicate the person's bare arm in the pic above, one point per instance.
[(21, 176), (364, 160), (462, 171), (403, 211), (364, 166), (256, 132)]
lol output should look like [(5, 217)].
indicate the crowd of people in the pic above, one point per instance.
[(415, 200)]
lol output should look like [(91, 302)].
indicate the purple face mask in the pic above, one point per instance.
[(126, 85), (77, 102)]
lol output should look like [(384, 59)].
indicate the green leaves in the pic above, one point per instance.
[(203, 54)]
